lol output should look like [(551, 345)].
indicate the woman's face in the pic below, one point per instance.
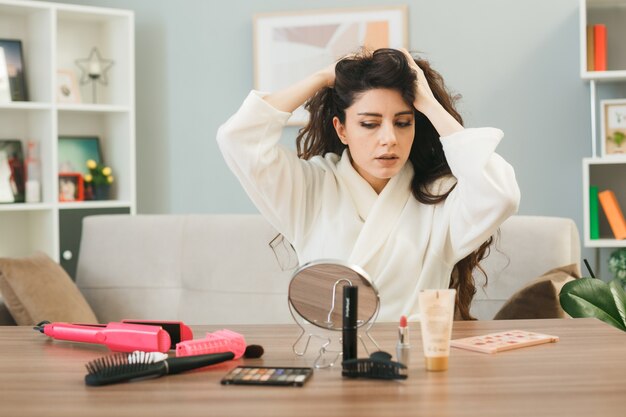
[(379, 132)]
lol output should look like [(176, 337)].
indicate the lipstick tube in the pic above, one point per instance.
[(403, 348)]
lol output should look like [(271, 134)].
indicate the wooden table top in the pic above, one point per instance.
[(584, 374)]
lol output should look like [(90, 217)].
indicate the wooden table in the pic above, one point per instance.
[(584, 374)]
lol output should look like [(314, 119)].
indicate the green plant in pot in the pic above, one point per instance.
[(591, 297), (99, 180)]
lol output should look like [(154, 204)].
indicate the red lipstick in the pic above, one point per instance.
[(403, 348)]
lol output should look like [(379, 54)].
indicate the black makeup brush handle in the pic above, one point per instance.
[(187, 363)]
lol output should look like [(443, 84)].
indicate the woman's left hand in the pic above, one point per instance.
[(426, 103), (423, 94)]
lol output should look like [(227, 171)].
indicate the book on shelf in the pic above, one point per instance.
[(613, 212), (599, 47), (590, 48), (594, 214)]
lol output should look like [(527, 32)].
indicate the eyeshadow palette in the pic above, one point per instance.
[(499, 342), (267, 375)]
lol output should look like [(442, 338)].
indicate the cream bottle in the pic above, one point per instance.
[(436, 314)]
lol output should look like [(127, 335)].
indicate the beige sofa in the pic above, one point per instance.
[(220, 269)]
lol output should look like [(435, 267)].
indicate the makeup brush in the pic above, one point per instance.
[(124, 367)]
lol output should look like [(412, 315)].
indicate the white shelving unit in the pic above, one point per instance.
[(54, 36), (603, 172)]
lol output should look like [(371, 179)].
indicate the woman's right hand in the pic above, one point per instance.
[(328, 74), (292, 97)]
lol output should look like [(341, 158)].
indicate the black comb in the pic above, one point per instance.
[(117, 368)]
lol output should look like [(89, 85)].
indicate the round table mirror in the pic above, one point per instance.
[(316, 289)]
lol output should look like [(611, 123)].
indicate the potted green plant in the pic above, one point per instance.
[(591, 297), (617, 265), (98, 180)]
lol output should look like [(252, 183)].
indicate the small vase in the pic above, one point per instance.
[(101, 192)]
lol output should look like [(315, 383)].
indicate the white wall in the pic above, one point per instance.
[(515, 63)]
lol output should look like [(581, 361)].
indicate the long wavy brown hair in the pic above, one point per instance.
[(389, 68)]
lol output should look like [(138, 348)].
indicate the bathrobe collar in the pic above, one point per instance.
[(379, 212)]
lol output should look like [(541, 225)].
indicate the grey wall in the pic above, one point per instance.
[(515, 63)]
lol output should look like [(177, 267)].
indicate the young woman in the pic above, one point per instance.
[(385, 176)]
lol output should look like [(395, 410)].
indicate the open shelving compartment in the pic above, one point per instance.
[(605, 172)]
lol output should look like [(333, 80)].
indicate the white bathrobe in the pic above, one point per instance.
[(328, 211)]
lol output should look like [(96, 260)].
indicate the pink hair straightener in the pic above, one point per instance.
[(121, 337)]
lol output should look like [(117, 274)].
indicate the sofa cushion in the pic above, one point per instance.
[(539, 299), (36, 288), (6, 319), (525, 247)]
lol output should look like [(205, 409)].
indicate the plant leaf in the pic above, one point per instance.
[(620, 298), (588, 297)]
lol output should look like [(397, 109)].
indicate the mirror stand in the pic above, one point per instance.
[(321, 360)]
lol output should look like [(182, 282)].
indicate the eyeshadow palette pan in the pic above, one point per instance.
[(499, 342), (267, 375)]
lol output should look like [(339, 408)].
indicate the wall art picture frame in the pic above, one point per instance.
[(12, 171), (5, 86), (67, 87), (71, 186), (613, 128), (75, 151), (14, 60), (291, 45)]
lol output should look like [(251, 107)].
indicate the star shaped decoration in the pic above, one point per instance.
[(94, 68)]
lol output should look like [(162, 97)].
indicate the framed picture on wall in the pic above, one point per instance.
[(71, 186), (292, 45), (75, 151), (14, 61), (67, 87), (613, 127), (12, 171)]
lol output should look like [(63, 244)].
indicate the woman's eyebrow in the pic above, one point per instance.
[(380, 115)]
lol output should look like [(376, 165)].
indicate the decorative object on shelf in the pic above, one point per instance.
[(613, 127), (75, 151), (94, 70), (289, 45), (98, 180), (617, 265), (15, 68), (67, 87), (12, 174), (33, 172), (71, 187)]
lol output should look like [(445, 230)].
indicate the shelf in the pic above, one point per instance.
[(53, 37), (25, 105), (25, 206), (604, 76), (94, 108), (607, 160), (605, 243), (94, 204)]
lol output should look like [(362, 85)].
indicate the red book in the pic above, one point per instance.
[(599, 46), (613, 213)]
